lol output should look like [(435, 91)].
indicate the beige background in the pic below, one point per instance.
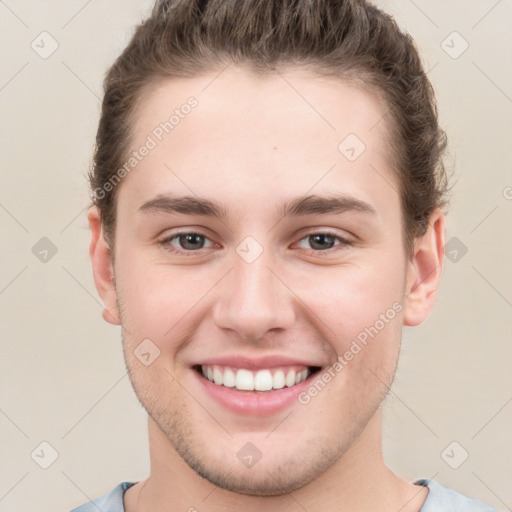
[(62, 376)]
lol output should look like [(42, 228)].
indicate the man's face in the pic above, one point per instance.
[(255, 289)]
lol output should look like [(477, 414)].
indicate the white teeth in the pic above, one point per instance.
[(304, 375), (301, 376), (278, 380), (290, 378), (246, 380), (263, 380), (217, 375), (229, 378)]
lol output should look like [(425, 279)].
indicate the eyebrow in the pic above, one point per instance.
[(306, 205)]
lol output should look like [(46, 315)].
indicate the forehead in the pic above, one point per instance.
[(254, 136), (284, 100)]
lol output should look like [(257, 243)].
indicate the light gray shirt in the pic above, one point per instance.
[(439, 499)]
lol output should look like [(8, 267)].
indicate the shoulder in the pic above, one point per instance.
[(442, 499), (111, 502)]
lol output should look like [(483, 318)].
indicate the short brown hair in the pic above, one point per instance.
[(347, 39)]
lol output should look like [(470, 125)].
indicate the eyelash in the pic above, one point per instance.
[(165, 243)]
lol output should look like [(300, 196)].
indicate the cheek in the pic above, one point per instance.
[(360, 312), (157, 300), (350, 298)]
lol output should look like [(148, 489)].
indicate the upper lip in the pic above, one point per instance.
[(258, 363)]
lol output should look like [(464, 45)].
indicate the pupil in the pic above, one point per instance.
[(322, 239), (190, 241)]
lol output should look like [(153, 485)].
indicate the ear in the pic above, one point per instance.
[(102, 268), (424, 272)]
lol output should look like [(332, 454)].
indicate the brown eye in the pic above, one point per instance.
[(191, 241), (186, 243), (324, 242), (321, 241)]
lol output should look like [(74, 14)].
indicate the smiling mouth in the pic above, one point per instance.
[(263, 380)]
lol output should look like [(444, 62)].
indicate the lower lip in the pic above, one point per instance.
[(251, 403)]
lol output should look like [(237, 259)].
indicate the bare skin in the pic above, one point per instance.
[(253, 144)]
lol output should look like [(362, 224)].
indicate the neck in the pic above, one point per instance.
[(359, 481)]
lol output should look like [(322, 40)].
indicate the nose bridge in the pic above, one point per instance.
[(253, 299)]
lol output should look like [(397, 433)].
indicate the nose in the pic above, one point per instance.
[(254, 299)]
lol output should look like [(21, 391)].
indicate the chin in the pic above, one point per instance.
[(282, 469), (263, 481)]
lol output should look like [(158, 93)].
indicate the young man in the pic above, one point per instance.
[(268, 213)]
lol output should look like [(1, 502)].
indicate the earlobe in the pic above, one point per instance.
[(424, 272), (102, 267)]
